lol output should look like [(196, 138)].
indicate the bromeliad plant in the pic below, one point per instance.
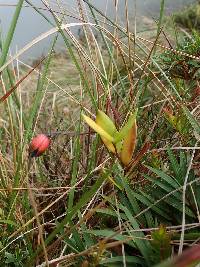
[(121, 143)]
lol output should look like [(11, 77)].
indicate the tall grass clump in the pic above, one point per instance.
[(117, 117), (189, 17)]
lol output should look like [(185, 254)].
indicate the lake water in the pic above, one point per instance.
[(31, 25)]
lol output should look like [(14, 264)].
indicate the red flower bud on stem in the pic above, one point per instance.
[(39, 145)]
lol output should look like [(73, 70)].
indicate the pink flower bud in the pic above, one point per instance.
[(39, 144)]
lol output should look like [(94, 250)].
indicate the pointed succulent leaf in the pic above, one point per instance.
[(124, 131), (108, 144), (97, 128), (119, 146), (105, 122), (113, 181), (129, 144)]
